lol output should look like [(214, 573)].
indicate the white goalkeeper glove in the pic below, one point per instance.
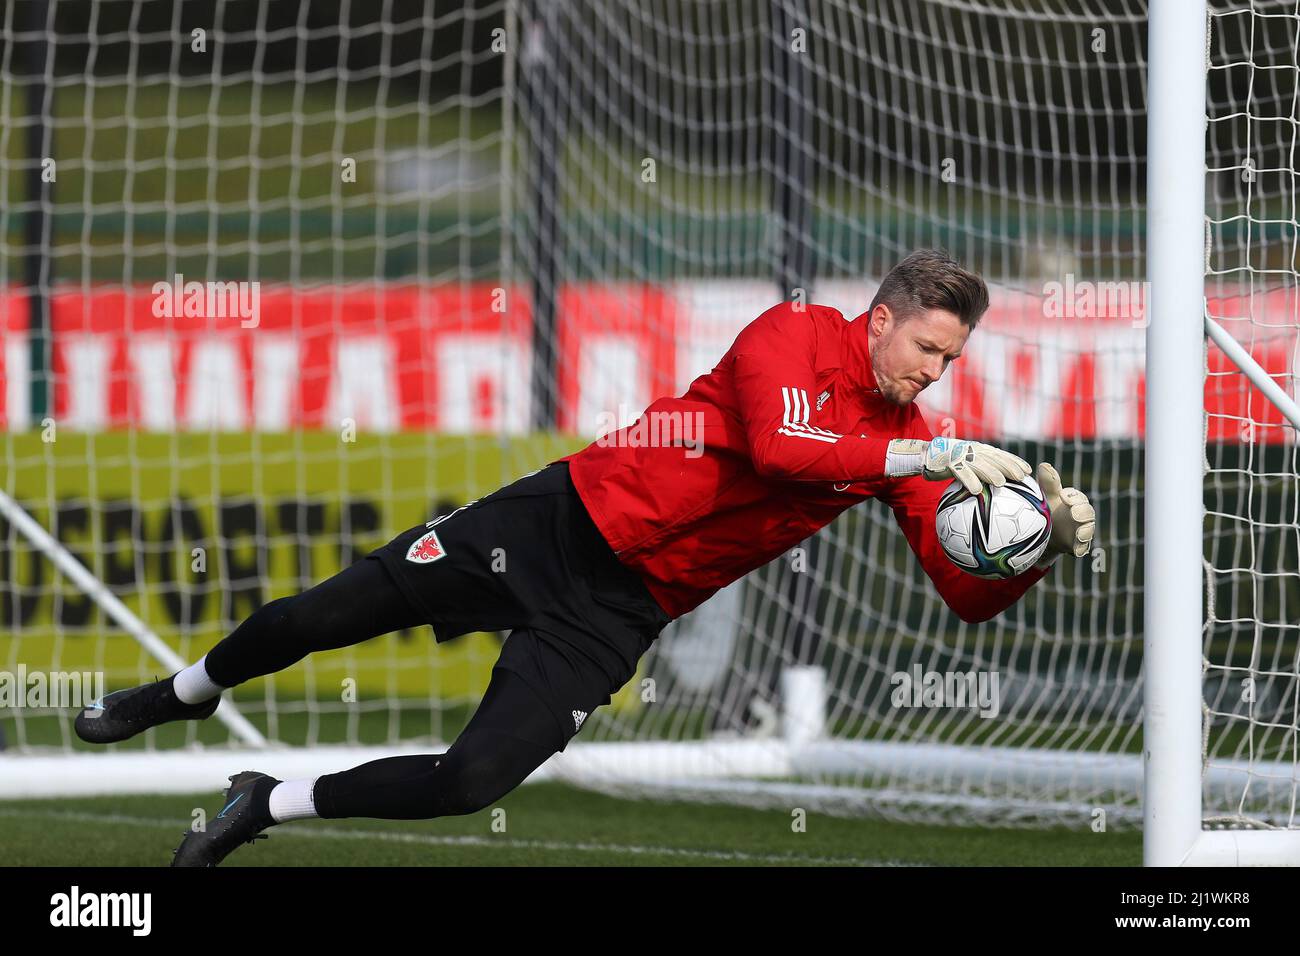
[(1074, 520), (972, 463)]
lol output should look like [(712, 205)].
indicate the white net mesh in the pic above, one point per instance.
[(815, 145), (1251, 560), (202, 461)]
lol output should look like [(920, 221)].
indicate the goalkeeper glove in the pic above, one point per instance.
[(1074, 520), (940, 459)]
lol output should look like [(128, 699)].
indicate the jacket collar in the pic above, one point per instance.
[(857, 359)]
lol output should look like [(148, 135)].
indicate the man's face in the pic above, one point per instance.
[(907, 355)]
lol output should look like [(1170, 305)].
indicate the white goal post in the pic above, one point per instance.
[(1175, 346)]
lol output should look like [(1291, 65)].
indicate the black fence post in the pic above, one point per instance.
[(38, 223), (545, 154)]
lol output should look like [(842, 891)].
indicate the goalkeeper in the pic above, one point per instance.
[(586, 561)]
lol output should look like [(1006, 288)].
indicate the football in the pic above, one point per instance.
[(998, 534)]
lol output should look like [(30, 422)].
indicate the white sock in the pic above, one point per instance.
[(292, 800), (194, 686)]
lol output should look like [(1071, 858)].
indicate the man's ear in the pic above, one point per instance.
[(879, 319)]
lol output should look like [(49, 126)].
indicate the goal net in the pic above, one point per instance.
[(1252, 528), (288, 287)]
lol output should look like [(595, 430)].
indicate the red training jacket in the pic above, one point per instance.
[(785, 433)]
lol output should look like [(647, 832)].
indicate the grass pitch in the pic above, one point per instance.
[(544, 825)]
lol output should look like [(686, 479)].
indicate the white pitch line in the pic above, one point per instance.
[(504, 843)]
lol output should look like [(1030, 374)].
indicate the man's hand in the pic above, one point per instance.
[(1074, 521), (941, 459)]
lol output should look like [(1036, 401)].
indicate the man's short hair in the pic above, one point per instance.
[(932, 279)]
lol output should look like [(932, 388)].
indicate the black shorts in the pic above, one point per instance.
[(528, 559)]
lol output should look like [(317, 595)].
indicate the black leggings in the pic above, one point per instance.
[(511, 733), (493, 755)]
